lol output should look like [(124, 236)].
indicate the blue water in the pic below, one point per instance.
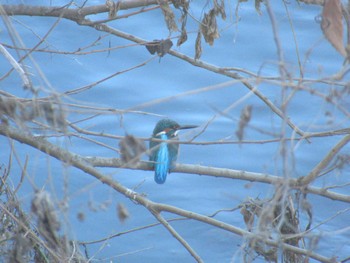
[(248, 45)]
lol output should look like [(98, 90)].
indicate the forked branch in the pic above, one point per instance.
[(83, 165)]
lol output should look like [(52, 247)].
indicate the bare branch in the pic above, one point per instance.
[(78, 16), (172, 231), (17, 67), (326, 160), (277, 221), (75, 14), (78, 162)]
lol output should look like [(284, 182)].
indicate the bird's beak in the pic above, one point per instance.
[(184, 127)]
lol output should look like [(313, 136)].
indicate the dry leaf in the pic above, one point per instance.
[(8, 106), (198, 46), (131, 150), (257, 6), (162, 47), (81, 216), (168, 16), (248, 217), (220, 8), (183, 37), (47, 219), (209, 27), (54, 114), (332, 24), (180, 3), (244, 119), (123, 212), (113, 8)]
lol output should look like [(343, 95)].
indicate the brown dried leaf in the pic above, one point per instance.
[(131, 150), (8, 106), (113, 8), (123, 212), (162, 47), (198, 46), (165, 46), (81, 216), (168, 16), (220, 8), (183, 37), (47, 219), (332, 24), (248, 217), (257, 6), (209, 27), (245, 117), (180, 3), (152, 47), (306, 206), (54, 114)]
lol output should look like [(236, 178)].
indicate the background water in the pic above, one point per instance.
[(247, 44)]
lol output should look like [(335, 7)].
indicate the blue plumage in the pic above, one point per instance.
[(163, 155), (162, 160)]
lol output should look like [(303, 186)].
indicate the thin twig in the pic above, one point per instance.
[(325, 161), (16, 66), (83, 165), (176, 235)]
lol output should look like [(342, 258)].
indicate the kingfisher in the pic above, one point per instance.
[(163, 155)]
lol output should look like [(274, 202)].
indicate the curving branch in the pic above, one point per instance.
[(315, 173), (26, 81), (166, 224), (86, 166), (90, 165), (209, 67), (78, 15), (225, 173), (75, 14)]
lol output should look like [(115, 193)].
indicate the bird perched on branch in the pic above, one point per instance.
[(163, 155)]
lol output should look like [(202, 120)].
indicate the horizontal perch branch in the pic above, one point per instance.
[(226, 173), (86, 165)]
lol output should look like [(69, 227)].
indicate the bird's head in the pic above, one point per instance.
[(169, 128)]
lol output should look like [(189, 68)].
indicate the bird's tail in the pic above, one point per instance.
[(161, 167)]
